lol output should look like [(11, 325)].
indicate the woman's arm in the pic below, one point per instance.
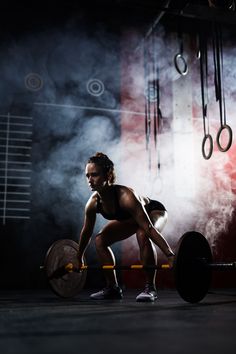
[(88, 226)]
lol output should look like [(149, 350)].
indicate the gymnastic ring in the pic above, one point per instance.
[(179, 57), (225, 126), (207, 137)]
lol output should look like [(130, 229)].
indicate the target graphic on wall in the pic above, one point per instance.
[(95, 87), (33, 82)]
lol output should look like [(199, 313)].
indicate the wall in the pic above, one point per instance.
[(199, 194), (82, 84)]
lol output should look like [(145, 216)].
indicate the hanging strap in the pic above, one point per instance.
[(147, 95), (179, 60), (204, 81), (154, 83), (218, 67), (204, 94), (146, 92), (219, 86), (157, 115)]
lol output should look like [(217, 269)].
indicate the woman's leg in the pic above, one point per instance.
[(148, 255), (112, 232)]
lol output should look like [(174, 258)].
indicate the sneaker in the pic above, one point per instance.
[(112, 293), (148, 295)]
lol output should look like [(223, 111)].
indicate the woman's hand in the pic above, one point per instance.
[(80, 262), (171, 259)]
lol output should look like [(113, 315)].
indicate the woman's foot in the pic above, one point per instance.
[(108, 293), (148, 295)]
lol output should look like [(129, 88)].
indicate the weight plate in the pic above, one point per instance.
[(192, 275), (60, 253)]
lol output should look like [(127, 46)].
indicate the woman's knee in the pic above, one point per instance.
[(101, 241)]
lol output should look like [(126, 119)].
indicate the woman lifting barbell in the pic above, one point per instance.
[(128, 214)]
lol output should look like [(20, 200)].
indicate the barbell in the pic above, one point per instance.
[(192, 267)]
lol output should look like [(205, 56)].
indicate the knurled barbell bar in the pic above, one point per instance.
[(71, 268), (192, 267)]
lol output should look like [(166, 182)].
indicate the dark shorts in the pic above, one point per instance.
[(154, 205)]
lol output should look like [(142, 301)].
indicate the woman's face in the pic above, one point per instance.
[(95, 177)]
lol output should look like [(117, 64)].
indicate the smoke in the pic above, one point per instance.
[(76, 113), (198, 194), (75, 109), (63, 167), (218, 202)]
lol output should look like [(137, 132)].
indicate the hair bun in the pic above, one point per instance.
[(100, 154), (105, 158), (106, 164)]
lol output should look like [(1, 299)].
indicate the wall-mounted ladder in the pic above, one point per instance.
[(15, 167)]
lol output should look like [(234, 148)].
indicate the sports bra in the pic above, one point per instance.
[(121, 214)]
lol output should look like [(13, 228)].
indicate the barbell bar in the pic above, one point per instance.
[(71, 268), (192, 267)]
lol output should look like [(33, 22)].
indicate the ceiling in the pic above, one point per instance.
[(115, 13)]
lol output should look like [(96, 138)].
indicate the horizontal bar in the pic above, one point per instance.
[(14, 201), (16, 147), (14, 217), (17, 124), (16, 209), (16, 185), (11, 177), (13, 116), (18, 193), (15, 131), (14, 154), (71, 268), (15, 170), (17, 162), (89, 108), (216, 265), (15, 139), (222, 265)]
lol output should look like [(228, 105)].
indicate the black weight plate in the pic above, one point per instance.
[(192, 275), (60, 253)]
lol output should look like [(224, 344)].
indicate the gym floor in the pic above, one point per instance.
[(40, 322)]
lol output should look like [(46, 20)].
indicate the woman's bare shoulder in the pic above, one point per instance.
[(92, 202), (124, 190), (130, 193)]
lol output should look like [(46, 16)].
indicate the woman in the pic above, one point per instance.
[(128, 213)]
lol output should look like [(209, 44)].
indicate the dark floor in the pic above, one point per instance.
[(39, 322)]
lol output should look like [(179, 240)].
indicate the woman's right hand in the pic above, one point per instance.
[(80, 262), (171, 260)]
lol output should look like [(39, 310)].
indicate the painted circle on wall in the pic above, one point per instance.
[(33, 82), (95, 87)]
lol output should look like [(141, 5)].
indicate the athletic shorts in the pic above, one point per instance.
[(154, 205)]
